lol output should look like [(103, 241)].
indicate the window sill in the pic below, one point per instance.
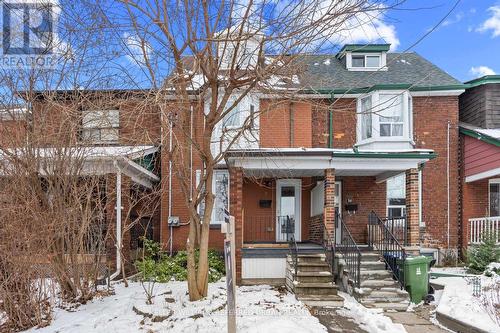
[(215, 226)]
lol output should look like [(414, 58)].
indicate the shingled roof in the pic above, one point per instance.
[(409, 70)]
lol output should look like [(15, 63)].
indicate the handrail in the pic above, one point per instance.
[(292, 243), (350, 251), (383, 241)]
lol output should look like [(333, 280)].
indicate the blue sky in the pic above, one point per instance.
[(467, 40)]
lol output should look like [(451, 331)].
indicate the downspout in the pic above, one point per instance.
[(170, 184), (292, 123), (330, 122), (118, 209), (448, 180)]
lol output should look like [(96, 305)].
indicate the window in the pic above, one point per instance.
[(366, 117), (385, 116), (494, 197), (391, 115), (220, 188), (396, 196), (100, 126), (372, 61), (358, 61), (233, 118)]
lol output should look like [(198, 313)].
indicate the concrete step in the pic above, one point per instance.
[(314, 277), (372, 265), (311, 258), (388, 282), (313, 267), (308, 289), (387, 306), (328, 300), (370, 256), (374, 274)]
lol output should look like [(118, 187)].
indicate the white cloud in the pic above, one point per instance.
[(457, 18), (492, 23), (135, 48), (481, 71)]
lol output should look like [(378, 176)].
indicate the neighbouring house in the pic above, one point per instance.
[(118, 138), (480, 149), (370, 137)]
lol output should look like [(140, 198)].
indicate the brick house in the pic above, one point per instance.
[(119, 138), (480, 148), (368, 130)]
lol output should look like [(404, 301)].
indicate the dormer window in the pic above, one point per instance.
[(385, 116), (364, 57)]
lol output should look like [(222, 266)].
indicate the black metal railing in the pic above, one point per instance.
[(381, 240), (397, 227), (351, 254), (287, 226)]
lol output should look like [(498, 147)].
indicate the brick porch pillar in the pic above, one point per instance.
[(236, 209), (412, 213), (329, 208)]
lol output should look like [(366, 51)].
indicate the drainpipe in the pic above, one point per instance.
[(170, 185), (448, 180), (118, 209), (292, 123)]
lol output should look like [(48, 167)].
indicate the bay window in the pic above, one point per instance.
[(384, 116)]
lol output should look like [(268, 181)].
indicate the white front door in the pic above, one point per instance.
[(288, 204), (338, 211)]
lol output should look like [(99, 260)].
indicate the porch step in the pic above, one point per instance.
[(311, 258), (378, 283), (313, 277), (372, 265), (369, 256), (368, 274), (388, 306), (323, 300), (313, 267), (310, 289)]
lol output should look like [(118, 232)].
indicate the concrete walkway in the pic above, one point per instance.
[(334, 322), (414, 323)]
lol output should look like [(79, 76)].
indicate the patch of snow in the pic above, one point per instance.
[(371, 320), (295, 79), (458, 302), (316, 64), (327, 62), (405, 61), (493, 132), (449, 270), (259, 309)]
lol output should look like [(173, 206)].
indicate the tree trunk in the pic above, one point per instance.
[(194, 294)]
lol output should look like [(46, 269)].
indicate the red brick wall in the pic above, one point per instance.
[(475, 204), (276, 128), (316, 229), (368, 195), (431, 115)]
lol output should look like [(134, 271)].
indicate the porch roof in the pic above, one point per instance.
[(306, 162), (97, 160)]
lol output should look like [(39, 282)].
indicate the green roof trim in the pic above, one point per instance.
[(483, 80), (480, 136), (385, 87), (364, 48), (430, 156)]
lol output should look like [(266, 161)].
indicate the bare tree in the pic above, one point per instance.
[(205, 59)]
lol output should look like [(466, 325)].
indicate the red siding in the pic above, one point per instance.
[(479, 156)]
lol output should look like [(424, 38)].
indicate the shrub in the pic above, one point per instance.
[(158, 267), (479, 257)]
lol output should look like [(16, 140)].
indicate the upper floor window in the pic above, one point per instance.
[(100, 126), (220, 188), (384, 116), (365, 61)]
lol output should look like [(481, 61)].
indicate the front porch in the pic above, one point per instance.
[(278, 192)]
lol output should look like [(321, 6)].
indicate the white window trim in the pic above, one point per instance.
[(198, 179), (86, 128), (381, 67), (376, 108), (491, 181), (394, 206)]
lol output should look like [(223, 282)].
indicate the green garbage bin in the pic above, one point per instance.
[(416, 276)]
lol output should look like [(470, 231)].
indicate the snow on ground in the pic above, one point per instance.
[(449, 270), (457, 302), (371, 320), (260, 309)]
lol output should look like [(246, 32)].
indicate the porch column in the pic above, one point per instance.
[(329, 208), (236, 209), (412, 215)]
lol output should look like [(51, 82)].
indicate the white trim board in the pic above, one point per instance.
[(483, 175)]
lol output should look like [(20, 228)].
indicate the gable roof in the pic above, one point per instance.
[(404, 70)]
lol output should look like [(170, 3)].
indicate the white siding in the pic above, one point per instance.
[(263, 268)]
